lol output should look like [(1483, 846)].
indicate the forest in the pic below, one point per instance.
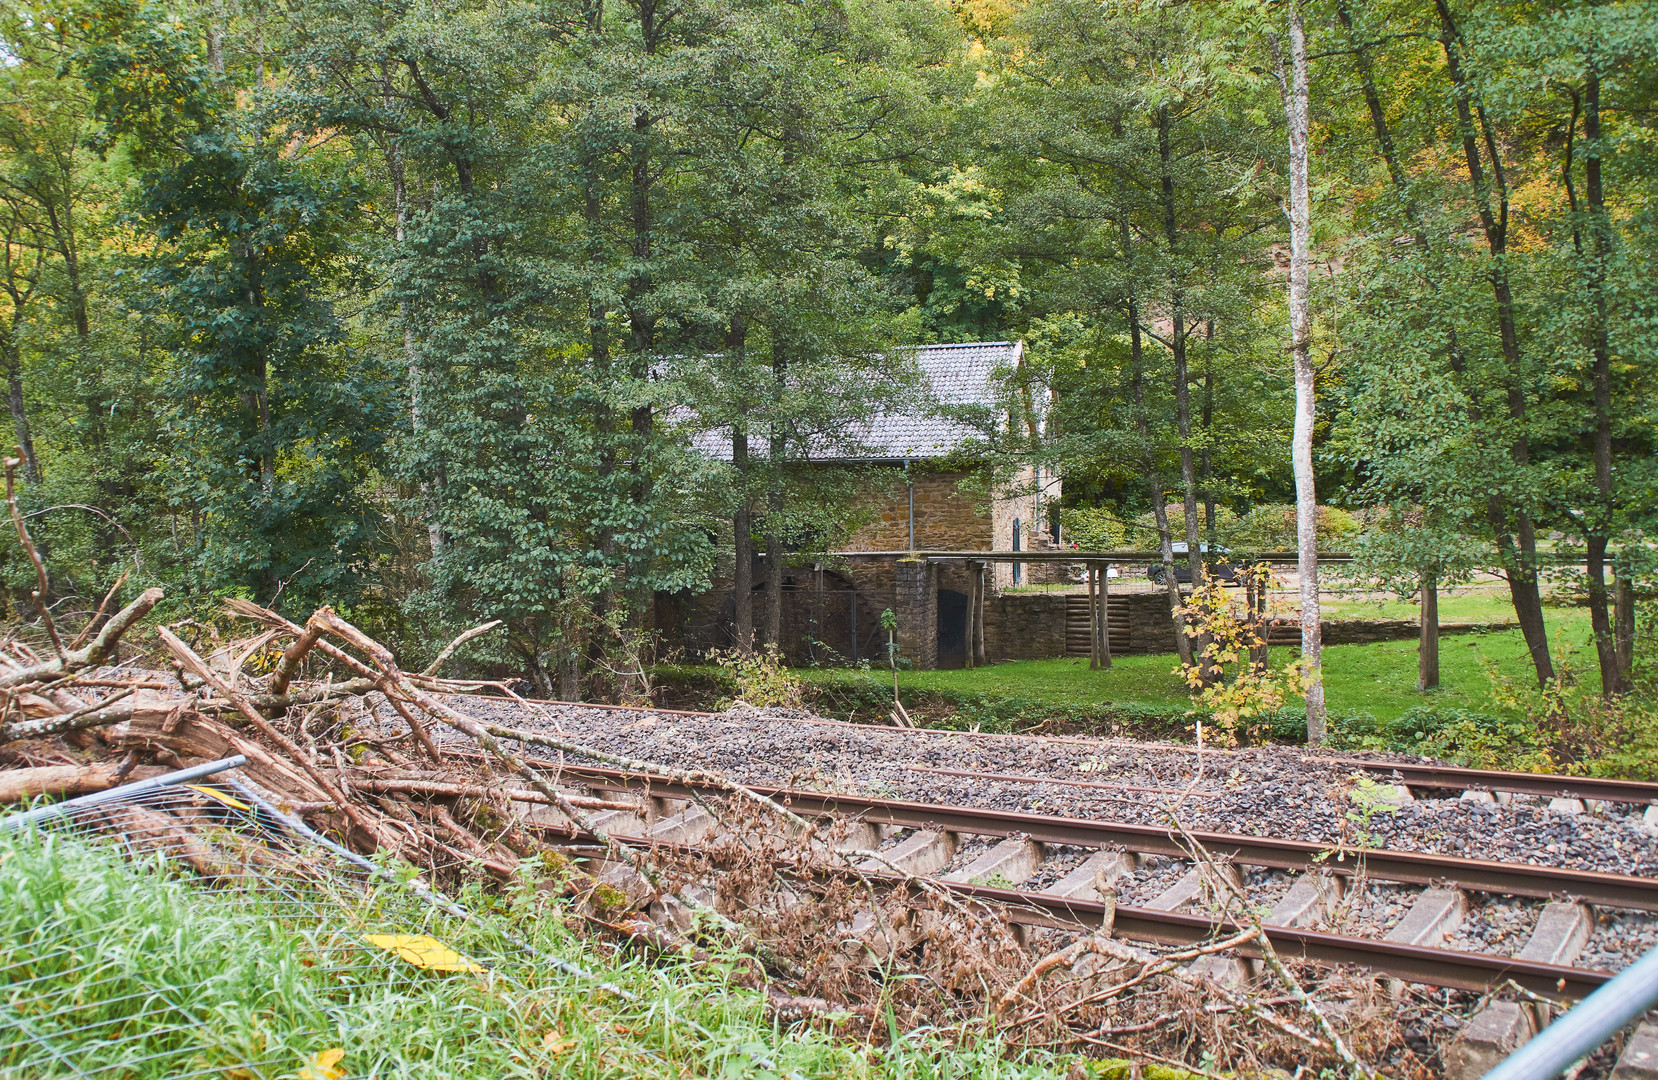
[(418, 309)]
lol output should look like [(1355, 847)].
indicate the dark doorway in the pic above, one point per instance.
[(952, 629)]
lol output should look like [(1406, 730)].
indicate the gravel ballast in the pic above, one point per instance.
[(1273, 791)]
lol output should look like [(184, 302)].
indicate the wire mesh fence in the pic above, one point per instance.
[(187, 930)]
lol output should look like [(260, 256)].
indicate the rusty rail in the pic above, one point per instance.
[(1551, 785)]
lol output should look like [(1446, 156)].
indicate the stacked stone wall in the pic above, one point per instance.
[(916, 606), (945, 518), (1024, 626)]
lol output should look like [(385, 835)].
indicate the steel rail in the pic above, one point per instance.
[(1404, 867), (1548, 784), (1413, 963)]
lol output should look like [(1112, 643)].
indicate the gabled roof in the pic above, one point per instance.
[(957, 378)]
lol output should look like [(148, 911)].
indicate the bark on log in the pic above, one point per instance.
[(66, 781)]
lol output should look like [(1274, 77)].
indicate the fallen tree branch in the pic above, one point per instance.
[(466, 725), (187, 656), (688, 777), (292, 656), (103, 644), (449, 649), (23, 537), (56, 780), (378, 680), (91, 624), (1273, 962), (94, 715), (447, 789)]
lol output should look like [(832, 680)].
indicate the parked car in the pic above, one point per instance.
[(1219, 566)]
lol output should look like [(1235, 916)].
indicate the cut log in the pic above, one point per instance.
[(64, 781)]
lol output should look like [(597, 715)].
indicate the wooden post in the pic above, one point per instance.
[(978, 619), (972, 603), (1427, 648), (1105, 615), (1091, 573), (817, 610)]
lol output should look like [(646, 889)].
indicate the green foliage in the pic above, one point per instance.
[(1230, 678), (432, 311), (761, 679), (1477, 740), (1092, 528), (1271, 527), (276, 424)]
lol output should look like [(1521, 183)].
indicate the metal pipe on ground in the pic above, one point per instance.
[(124, 791), (1594, 1020)]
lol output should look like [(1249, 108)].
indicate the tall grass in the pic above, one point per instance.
[(113, 969)]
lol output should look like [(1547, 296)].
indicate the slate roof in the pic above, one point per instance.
[(960, 377)]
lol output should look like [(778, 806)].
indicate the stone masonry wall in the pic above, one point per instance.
[(916, 604), (945, 519), (1024, 626)]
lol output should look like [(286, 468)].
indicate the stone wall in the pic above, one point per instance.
[(915, 602), (1150, 625), (829, 625), (819, 625), (1368, 631), (1024, 626), (945, 519)]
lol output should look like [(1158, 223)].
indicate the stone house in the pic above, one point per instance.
[(927, 504)]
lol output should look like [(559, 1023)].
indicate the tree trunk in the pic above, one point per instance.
[(1520, 559), (776, 452), (1154, 478), (1295, 93), (1600, 232), (20, 416), (1427, 647), (1623, 626), (742, 522), (569, 663), (1597, 519), (774, 574), (1208, 459), (1522, 582), (1182, 374), (429, 491)]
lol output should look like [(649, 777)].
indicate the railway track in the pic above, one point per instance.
[(928, 839), (1443, 920)]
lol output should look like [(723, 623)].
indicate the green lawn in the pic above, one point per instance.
[(1378, 679), (1480, 605)]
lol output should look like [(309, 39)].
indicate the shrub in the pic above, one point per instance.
[(1271, 527), (1473, 739), (761, 679)]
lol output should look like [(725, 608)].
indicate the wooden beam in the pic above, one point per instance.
[(978, 642), (1105, 614), (1091, 572)]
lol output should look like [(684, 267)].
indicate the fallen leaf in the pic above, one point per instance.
[(323, 1065), (555, 1043), (423, 952), (219, 796)]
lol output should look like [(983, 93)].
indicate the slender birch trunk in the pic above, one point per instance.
[(1293, 85)]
